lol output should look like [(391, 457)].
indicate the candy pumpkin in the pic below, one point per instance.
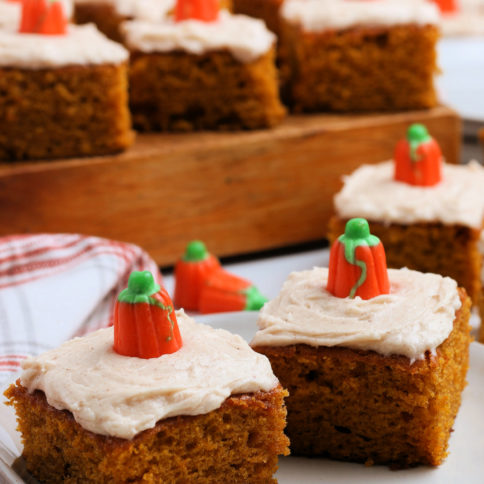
[(447, 6), (418, 159), (145, 323), (43, 17), (224, 292), (204, 10), (357, 263), (191, 271)]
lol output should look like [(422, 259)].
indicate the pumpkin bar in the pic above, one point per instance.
[(62, 95), (157, 398), (374, 360), (192, 74), (428, 214), (349, 55)]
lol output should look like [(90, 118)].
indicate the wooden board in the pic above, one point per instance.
[(239, 192)]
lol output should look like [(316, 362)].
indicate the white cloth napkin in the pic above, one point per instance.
[(57, 286)]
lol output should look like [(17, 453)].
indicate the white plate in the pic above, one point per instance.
[(466, 446)]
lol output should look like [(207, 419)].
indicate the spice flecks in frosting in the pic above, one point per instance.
[(415, 317), (110, 394)]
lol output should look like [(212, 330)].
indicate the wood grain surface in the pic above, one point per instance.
[(239, 192)]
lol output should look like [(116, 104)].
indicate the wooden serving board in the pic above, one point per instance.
[(239, 192)]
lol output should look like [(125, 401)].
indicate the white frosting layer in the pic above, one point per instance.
[(82, 45), (372, 193), (318, 15), (417, 315), (153, 10), (120, 396), (244, 37)]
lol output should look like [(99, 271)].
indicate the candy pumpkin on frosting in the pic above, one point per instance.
[(418, 159), (145, 323), (357, 263), (204, 10), (43, 17)]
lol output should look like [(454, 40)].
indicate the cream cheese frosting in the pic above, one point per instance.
[(115, 395), (82, 45), (318, 15), (372, 193), (416, 316), (244, 37)]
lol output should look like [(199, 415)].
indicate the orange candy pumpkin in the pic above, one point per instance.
[(418, 159), (43, 17), (447, 6), (223, 292), (191, 272), (204, 10), (357, 263), (145, 323)]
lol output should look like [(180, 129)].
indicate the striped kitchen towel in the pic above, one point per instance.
[(57, 286)]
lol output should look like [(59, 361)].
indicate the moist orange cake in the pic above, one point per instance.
[(210, 410), (191, 74), (375, 380), (352, 55), (62, 95)]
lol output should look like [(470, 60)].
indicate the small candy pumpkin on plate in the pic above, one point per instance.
[(191, 272), (223, 292)]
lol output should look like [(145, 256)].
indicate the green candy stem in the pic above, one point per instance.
[(141, 286), (255, 300), (357, 233), (416, 135), (195, 251)]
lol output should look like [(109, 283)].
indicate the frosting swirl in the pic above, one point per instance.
[(244, 37), (416, 316), (319, 15), (82, 45), (115, 395), (372, 193)]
